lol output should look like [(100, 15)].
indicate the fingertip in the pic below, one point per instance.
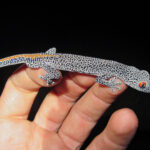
[(122, 127), (29, 78), (123, 122), (106, 94), (35, 74), (118, 132), (24, 78)]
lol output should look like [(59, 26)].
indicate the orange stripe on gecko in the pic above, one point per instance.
[(32, 56)]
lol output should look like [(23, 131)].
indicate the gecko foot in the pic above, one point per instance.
[(48, 80), (110, 82), (113, 81), (51, 75), (113, 88), (114, 84)]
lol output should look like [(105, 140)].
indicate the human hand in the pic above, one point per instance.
[(62, 122)]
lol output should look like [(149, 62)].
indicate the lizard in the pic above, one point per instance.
[(106, 71)]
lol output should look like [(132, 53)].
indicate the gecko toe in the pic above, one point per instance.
[(115, 87)]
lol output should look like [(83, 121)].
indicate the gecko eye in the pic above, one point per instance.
[(142, 85)]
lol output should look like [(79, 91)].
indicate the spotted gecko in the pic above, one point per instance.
[(106, 71)]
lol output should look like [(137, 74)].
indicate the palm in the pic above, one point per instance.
[(25, 135), (60, 123)]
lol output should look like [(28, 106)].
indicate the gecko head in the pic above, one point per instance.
[(139, 79), (143, 81)]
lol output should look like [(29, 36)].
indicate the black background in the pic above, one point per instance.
[(34, 28)]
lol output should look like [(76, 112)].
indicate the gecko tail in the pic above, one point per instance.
[(12, 60)]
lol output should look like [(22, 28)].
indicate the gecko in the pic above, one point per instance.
[(106, 71)]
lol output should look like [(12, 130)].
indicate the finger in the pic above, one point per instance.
[(84, 115), (59, 101), (20, 92), (118, 133)]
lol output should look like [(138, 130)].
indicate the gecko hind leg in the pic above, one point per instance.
[(51, 72), (109, 81), (51, 75)]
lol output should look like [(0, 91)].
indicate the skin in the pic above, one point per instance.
[(61, 122)]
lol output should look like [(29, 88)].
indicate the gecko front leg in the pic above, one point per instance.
[(109, 81)]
